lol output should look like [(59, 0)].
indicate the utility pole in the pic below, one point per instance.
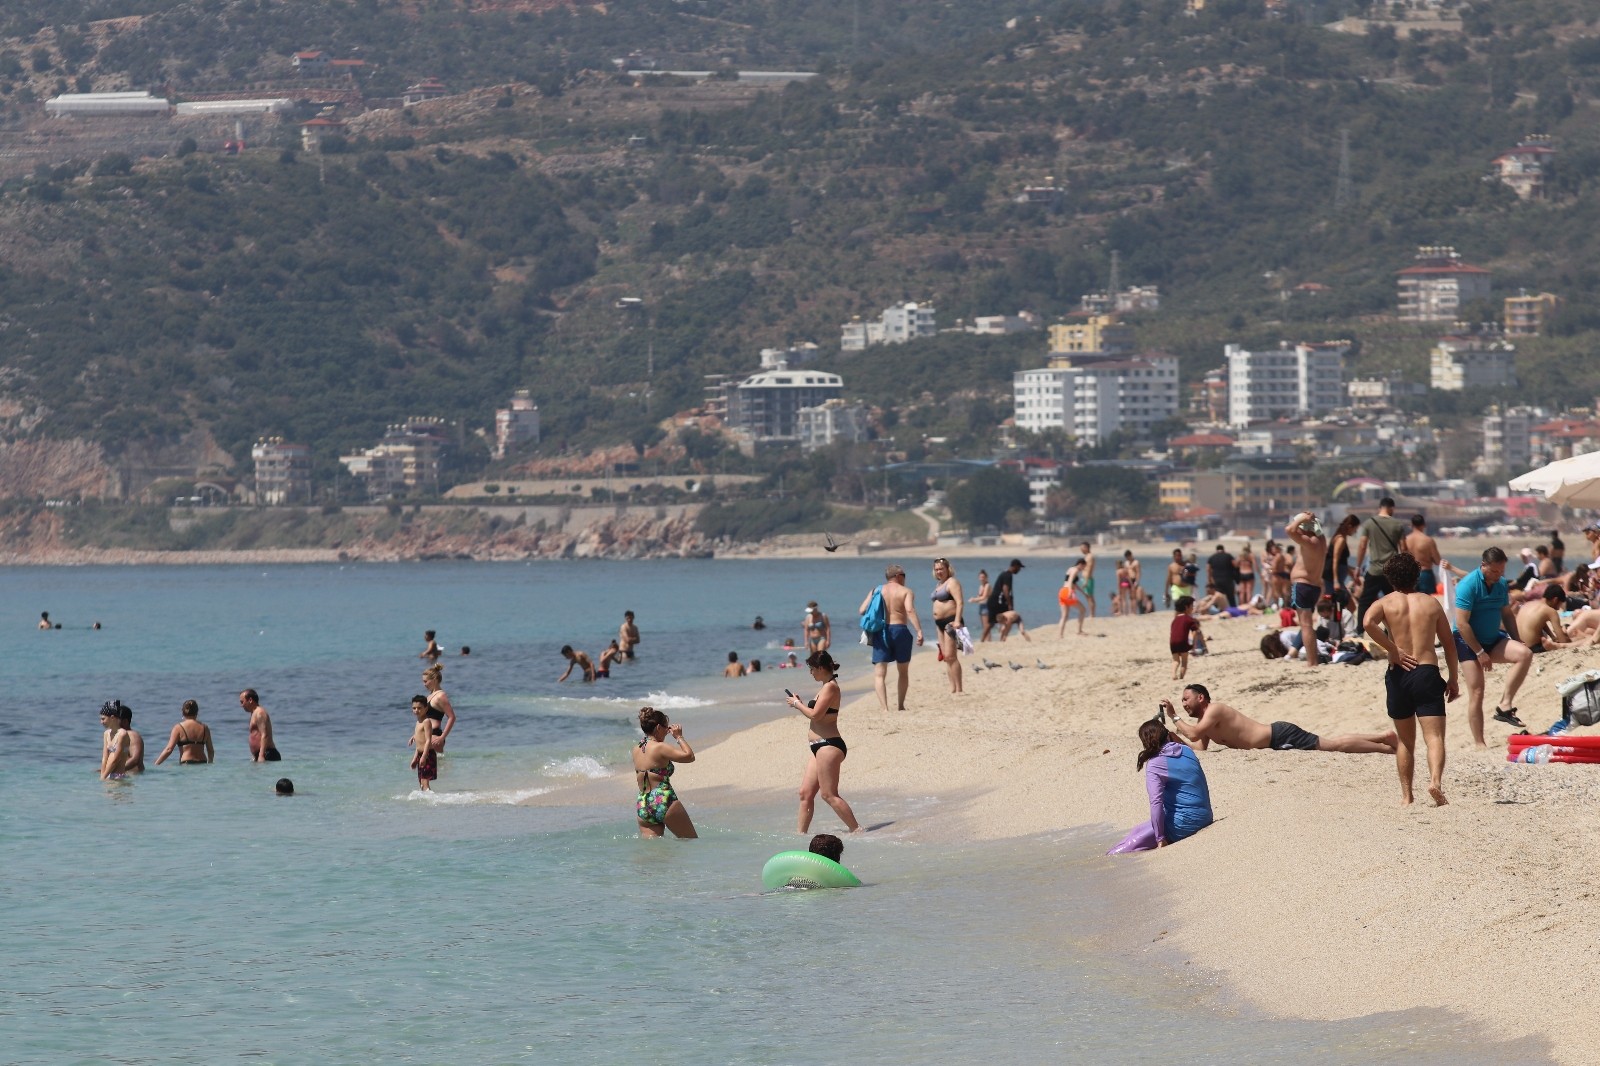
[(1116, 277), (1341, 190)]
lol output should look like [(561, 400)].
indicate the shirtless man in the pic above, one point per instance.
[(1405, 623), (576, 659), (431, 649), (1234, 729), (262, 749), (894, 643), (1539, 621), (627, 635), (1425, 550), (1174, 579), (1306, 577), (135, 763), (1128, 584)]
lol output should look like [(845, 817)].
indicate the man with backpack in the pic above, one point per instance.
[(1381, 538), (888, 619)]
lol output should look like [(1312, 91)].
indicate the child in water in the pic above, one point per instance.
[(426, 761)]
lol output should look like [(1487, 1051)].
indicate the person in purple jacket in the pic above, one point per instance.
[(1180, 802)]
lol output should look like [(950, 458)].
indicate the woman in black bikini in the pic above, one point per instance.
[(827, 747), (948, 607), (439, 708), (191, 737)]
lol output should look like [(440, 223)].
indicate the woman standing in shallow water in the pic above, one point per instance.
[(439, 708), (827, 746), (658, 807), (191, 737)]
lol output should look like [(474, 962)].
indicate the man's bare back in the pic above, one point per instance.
[(1423, 548), (897, 600), (1227, 726), (1538, 624), (1414, 621)]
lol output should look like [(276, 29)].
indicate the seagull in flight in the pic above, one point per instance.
[(828, 543)]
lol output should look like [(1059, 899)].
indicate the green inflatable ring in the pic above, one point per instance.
[(804, 869)]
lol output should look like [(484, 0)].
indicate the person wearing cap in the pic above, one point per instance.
[(113, 742), (1483, 618), (1001, 597), (893, 644), (1528, 573), (1382, 535)]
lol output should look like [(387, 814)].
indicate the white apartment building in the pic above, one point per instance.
[(1094, 398), (766, 406), (1439, 284), (1473, 361), (831, 422), (897, 324), (1307, 379), (1508, 438), (516, 425)]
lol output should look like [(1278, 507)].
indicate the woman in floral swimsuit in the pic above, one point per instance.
[(659, 808)]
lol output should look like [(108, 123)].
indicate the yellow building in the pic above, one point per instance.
[(1238, 490), (1093, 333), (1526, 315)]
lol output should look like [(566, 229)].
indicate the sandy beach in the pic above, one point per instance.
[(1315, 894)]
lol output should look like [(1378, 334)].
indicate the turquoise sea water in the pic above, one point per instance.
[(192, 916)]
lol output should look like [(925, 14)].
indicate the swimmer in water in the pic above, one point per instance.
[(827, 845), (439, 707), (611, 654), (113, 742), (44, 620), (135, 763), (191, 738), (426, 761), (734, 667), (576, 659), (432, 649), (284, 787), (262, 748)]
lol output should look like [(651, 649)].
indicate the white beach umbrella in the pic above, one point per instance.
[(1573, 482)]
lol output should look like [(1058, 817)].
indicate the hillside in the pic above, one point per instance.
[(432, 260)]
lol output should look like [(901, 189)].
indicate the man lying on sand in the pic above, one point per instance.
[(1233, 729)]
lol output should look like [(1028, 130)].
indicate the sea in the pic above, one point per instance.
[(191, 915)]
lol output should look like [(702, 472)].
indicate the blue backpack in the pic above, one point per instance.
[(876, 618)]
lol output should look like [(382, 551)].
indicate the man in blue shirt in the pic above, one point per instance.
[(1483, 619)]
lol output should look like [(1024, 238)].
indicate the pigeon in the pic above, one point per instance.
[(977, 669), (828, 543), (1013, 665), (1042, 664), (990, 665)]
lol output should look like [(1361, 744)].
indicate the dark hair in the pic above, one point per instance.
[(285, 787), (1387, 501), (1152, 735), (1417, 521), (189, 706), (427, 634), (1272, 647), (419, 699), (651, 719), (254, 696), (821, 660), (1541, 549), (1554, 591), (566, 649), (1348, 524), (1493, 554), (127, 715), (755, 666), (827, 845), (1401, 571), (465, 650), (1182, 604), (733, 656), (1199, 690), (627, 614)]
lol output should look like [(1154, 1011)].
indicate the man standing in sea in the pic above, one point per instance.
[(262, 747)]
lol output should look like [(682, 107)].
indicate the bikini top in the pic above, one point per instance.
[(941, 593), (663, 773), (182, 743), (812, 704)]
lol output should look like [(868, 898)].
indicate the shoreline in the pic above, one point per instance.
[(1460, 550), (1315, 895)]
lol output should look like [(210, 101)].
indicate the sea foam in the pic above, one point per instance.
[(469, 798)]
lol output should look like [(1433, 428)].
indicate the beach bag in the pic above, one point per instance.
[(1580, 698), (876, 618)]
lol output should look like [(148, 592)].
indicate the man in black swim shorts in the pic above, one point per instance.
[(1407, 624), (1286, 736)]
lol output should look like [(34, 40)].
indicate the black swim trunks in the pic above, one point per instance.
[(1286, 736), (271, 755), (1305, 596), (1418, 691)]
